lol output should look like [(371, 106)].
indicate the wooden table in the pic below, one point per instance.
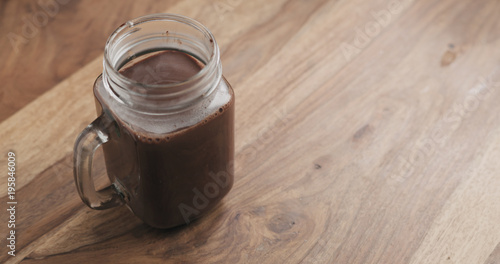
[(366, 132)]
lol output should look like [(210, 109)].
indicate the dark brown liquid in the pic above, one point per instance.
[(172, 178)]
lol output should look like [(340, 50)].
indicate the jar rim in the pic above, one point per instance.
[(211, 63)]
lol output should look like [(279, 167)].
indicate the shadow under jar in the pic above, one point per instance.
[(165, 122)]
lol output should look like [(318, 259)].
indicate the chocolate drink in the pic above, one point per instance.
[(174, 177)]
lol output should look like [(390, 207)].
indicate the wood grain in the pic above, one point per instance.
[(384, 154)]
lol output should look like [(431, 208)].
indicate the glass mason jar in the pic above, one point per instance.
[(165, 122)]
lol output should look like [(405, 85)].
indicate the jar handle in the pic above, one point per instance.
[(93, 136)]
